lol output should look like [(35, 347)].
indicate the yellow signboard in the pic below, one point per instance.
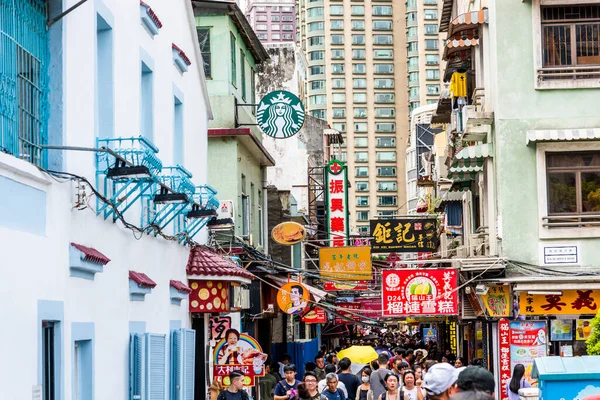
[(578, 302), (497, 301), (345, 263)]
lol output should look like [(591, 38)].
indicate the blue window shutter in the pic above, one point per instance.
[(136, 366), (189, 362), (155, 366), (176, 373)]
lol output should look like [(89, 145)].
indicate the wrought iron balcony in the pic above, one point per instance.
[(202, 209)]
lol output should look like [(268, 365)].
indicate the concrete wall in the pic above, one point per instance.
[(35, 281)]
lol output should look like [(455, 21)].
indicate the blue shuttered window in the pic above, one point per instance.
[(183, 355), (136, 366), (147, 367)]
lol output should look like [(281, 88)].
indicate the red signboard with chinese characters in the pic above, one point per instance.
[(353, 307), (336, 203), (504, 346), (315, 316), (333, 286), (419, 292)]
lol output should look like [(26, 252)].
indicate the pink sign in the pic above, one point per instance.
[(504, 346)]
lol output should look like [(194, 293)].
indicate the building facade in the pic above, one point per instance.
[(274, 21), (357, 82), (94, 220)]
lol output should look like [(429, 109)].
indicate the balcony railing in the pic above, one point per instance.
[(571, 221)]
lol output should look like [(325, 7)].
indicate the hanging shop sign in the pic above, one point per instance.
[(280, 114), (218, 326), (497, 300), (293, 298), (419, 292), (571, 302), (583, 328), (238, 351), (370, 307), (407, 235), (452, 336), (504, 347), (354, 307), (528, 341), (209, 296), (315, 316), (336, 203), (288, 233), (345, 263), (430, 335), (561, 330), (349, 286)]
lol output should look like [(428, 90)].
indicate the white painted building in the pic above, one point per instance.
[(108, 69)]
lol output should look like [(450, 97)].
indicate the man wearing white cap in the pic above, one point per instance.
[(439, 381)]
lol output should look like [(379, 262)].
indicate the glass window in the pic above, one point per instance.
[(413, 105), (361, 156), (430, 2), (363, 229), (384, 97), (432, 101), (358, 39), (432, 59), (316, 40), (413, 61), (385, 112), (362, 215), (362, 201), (337, 68), (312, 12), (385, 142), (386, 171), (339, 126), (358, 10), (387, 200), (260, 8), (433, 89), (359, 54), (275, 18), (413, 77), (362, 186), (382, 39), (384, 83), (261, 27), (317, 70), (382, 10), (204, 39), (360, 112), (387, 186), (384, 68), (359, 68), (414, 91), (361, 142), (316, 55), (430, 13), (338, 83), (233, 59), (385, 127), (362, 171), (361, 127), (360, 98), (287, 18), (318, 100), (318, 113), (413, 46), (386, 214), (288, 27), (275, 36), (261, 36), (337, 54), (317, 85), (337, 39), (431, 29), (286, 9), (431, 44), (382, 25), (339, 112), (337, 10), (383, 54), (339, 97), (275, 27), (433, 74), (337, 24), (358, 25), (386, 156), (316, 26), (261, 18), (412, 31), (411, 17), (359, 83)]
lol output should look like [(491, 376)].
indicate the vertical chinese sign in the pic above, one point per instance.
[(336, 203), (419, 292), (504, 346), (404, 235)]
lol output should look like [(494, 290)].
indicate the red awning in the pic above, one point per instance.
[(180, 286), (91, 255), (142, 279), (205, 262)]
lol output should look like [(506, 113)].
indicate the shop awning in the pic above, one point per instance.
[(205, 264), (463, 172), (556, 135), (473, 155), (454, 45), (470, 20)]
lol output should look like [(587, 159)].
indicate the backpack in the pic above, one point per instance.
[(400, 396), (222, 395)]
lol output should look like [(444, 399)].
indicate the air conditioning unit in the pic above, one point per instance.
[(240, 298)]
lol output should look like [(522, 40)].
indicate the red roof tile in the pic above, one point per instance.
[(141, 279), (180, 286), (205, 262), (91, 255)]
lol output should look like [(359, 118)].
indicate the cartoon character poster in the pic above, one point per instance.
[(528, 341)]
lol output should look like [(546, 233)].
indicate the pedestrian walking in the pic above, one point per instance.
[(474, 378), (377, 377), (235, 391), (266, 384), (391, 383), (517, 381), (332, 392), (309, 390), (331, 369), (350, 380), (440, 380), (286, 388), (285, 360), (364, 391), (460, 362), (410, 390), (320, 362)]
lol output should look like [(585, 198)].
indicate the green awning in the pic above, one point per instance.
[(463, 172), (473, 155)]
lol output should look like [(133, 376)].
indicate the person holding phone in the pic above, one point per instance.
[(286, 388)]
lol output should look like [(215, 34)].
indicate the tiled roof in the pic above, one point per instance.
[(91, 255), (141, 279), (205, 262), (180, 286)]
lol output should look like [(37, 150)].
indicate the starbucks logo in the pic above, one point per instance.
[(280, 114)]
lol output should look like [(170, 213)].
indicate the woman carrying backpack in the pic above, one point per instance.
[(516, 382)]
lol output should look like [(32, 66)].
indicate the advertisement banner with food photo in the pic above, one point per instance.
[(561, 330), (238, 351), (293, 298), (345, 286), (351, 317), (528, 341), (315, 316), (349, 263), (288, 233), (583, 329)]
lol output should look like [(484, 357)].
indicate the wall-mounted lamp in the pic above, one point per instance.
[(165, 197)]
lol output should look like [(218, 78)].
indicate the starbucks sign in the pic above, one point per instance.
[(280, 114)]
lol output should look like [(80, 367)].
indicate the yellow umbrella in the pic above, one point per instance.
[(359, 354)]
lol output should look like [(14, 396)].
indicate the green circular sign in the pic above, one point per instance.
[(280, 114)]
